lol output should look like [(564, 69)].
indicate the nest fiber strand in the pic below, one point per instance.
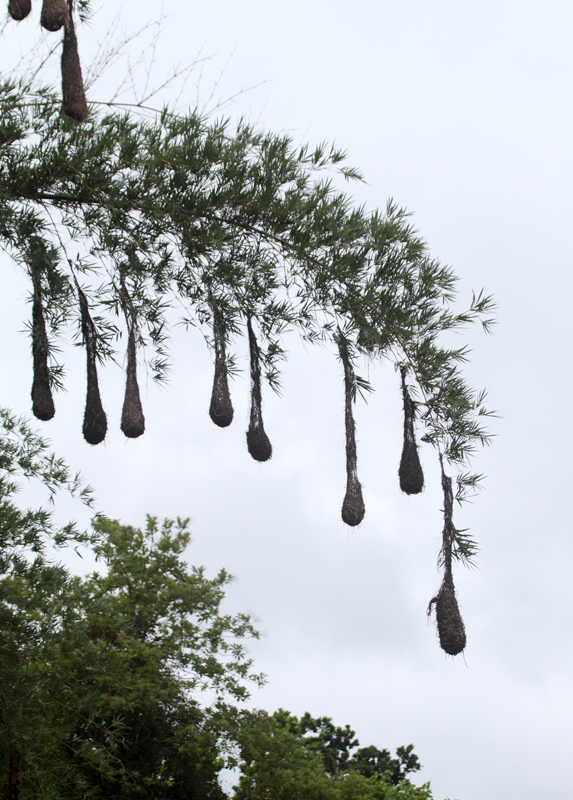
[(258, 442), (353, 508), (221, 408), (95, 420), (451, 628), (42, 401), (54, 15), (410, 472), (74, 102), (19, 9), (132, 419)]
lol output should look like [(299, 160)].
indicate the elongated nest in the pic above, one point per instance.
[(74, 103), (42, 400), (410, 472), (132, 419), (221, 408), (95, 419)]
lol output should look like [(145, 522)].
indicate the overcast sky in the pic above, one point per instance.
[(462, 113)]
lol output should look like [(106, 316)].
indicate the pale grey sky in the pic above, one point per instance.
[(462, 113)]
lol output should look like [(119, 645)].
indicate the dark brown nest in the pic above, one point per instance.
[(42, 400), (353, 509), (54, 14), (132, 419), (410, 472), (221, 408), (95, 420), (258, 442), (19, 9), (74, 102), (451, 628)]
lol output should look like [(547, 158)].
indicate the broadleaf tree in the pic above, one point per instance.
[(127, 225)]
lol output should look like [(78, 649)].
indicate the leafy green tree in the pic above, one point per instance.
[(105, 699), (278, 760), (29, 582), (335, 745)]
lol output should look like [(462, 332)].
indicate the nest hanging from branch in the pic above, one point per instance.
[(132, 419), (221, 408), (451, 628), (42, 401), (95, 419), (74, 103), (19, 9), (54, 15), (353, 508), (410, 472), (258, 442)]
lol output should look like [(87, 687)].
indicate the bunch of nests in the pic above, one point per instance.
[(451, 630), (95, 418), (58, 14)]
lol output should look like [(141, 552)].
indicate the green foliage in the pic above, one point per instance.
[(280, 761), (104, 698), (182, 212), (335, 745)]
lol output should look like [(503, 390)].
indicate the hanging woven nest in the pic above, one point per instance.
[(19, 9), (42, 401), (410, 472), (451, 628), (74, 103), (353, 508), (95, 419), (54, 15), (221, 407), (132, 419), (258, 442)]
